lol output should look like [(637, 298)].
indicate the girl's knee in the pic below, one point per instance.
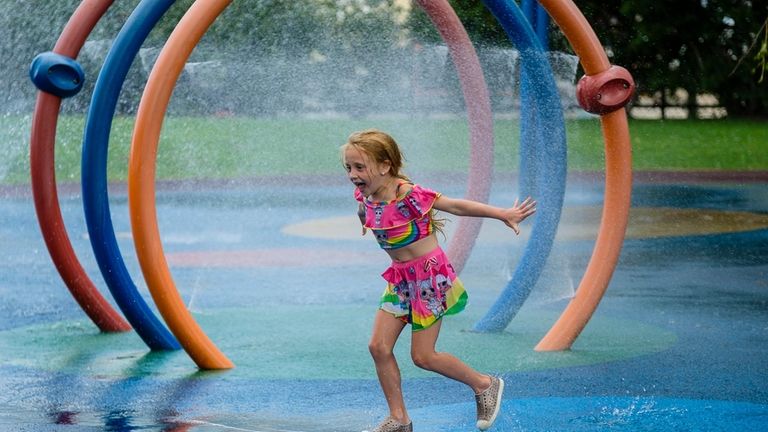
[(379, 350), (424, 360)]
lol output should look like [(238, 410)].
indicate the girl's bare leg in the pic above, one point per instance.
[(425, 357), (386, 330)]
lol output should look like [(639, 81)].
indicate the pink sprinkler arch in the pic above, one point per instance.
[(479, 116)]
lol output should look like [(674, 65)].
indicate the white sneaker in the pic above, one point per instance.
[(489, 403), (391, 425)]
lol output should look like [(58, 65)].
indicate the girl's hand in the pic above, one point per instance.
[(517, 213)]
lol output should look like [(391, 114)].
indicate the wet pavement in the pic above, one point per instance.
[(278, 278)]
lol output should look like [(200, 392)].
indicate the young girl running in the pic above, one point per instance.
[(421, 283)]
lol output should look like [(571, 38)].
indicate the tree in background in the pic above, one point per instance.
[(761, 58), (713, 46), (691, 44), (299, 38), (696, 50), (481, 26)]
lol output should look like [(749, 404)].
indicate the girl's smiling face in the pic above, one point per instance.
[(365, 173)]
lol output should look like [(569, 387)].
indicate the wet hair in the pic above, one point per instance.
[(380, 147)]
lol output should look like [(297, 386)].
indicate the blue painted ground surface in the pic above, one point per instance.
[(680, 342)]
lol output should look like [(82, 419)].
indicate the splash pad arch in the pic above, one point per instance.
[(616, 88), (146, 135), (94, 175), (42, 164), (608, 89)]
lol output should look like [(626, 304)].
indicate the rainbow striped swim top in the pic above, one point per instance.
[(400, 222)]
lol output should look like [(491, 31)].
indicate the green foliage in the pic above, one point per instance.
[(483, 28), (761, 58), (692, 44), (696, 50), (307, 30)]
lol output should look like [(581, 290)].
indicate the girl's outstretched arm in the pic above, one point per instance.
[(510, 216)]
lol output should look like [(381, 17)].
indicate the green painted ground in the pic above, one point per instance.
[(318, 342)]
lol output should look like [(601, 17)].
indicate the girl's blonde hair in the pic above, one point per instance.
[(382, 148)]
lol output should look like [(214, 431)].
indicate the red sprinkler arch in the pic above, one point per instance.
[(42, 167)]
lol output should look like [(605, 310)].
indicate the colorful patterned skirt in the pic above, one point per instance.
[(422, 290)]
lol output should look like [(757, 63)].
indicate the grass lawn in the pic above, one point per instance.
[(236, 147)]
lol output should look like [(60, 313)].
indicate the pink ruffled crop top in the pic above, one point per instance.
[(403, 221)]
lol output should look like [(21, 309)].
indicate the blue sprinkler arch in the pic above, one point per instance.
[(529, 171), (529, 112), (537, 16), (94, 174), (543, 161)]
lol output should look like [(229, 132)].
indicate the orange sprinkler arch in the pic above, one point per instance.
[(154, 102), (141, 183), (618, 173)]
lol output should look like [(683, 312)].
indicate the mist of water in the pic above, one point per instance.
[(383, 81)]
